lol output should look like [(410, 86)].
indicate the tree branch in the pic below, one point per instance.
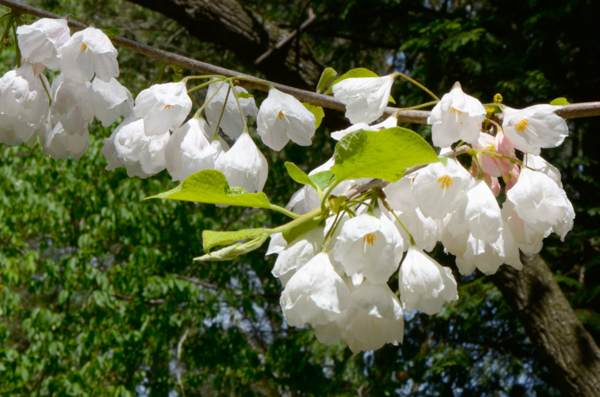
[(586, 109)]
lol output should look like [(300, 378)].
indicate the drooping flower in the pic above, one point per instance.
[(425, 285), (537, 163), (369, 245), (538, 199), (535, 127), (88, 53), (456, 117), (481, 212), (40, 41), (188, 150), (72, 105), (282, 117), (23, 95), (374, 318), (231, 122), (244, 165), (297, 254), (111, 100), (365, 98), (142, 155), (440, 189), (315, 294), (163, 107), (59, 144)]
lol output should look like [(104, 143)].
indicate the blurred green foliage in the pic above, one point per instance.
[(98, 293)]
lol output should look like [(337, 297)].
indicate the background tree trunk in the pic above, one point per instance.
[(567, 349)]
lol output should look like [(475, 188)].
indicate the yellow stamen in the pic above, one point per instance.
[(457, 112), (368, 239), (167, 107), (84, 47), (446, 181), (280, 115), (521, 125)]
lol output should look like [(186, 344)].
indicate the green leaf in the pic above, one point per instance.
[(298, 175), (233, 251), (112, 32), (322, 179), (392, 100), (211, 239), (211, 187), (317, 111), (305, 227), (444, 160), (559, 102), (244, 95), (354, 73), (177, 77), (327, 77), (382, 154)]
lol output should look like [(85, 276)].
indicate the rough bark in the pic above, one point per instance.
[(566, 348), (245, 33)]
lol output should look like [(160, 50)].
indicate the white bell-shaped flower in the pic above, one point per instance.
[(365, 98), (231, 122), (535, 127), (87, 53), (188, 150), (40, 41), (219, 146), (315, 294), (537, 198), (72, 104), (23, 96), (424, 230), (369, 245), (282, 117), (244, 165), (390, 122), (482, 212), (277, 244), (440, 189), (489, 257), (529, 236), (142, 155), (297, 254), (163, 107), (59, 144), (15, 130), (456, 117), (374, 318), (425, 285), (111, 100), (537, 163)]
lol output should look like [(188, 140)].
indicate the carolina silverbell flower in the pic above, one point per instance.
[(374, 318), (188, 150), (244, 165), (315, 294), (59, 144), (535, 127), (163, 107), (538, 199), (369, 245), (439, 189), (231, 122), (111, 100), (282, 117), (365, 97), (72, 104), (297, 254), (39, 41), (425, 285), (88, 53), (456, 117)]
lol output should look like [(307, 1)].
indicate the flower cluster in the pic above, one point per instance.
[(336, 276), (61, 111)]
